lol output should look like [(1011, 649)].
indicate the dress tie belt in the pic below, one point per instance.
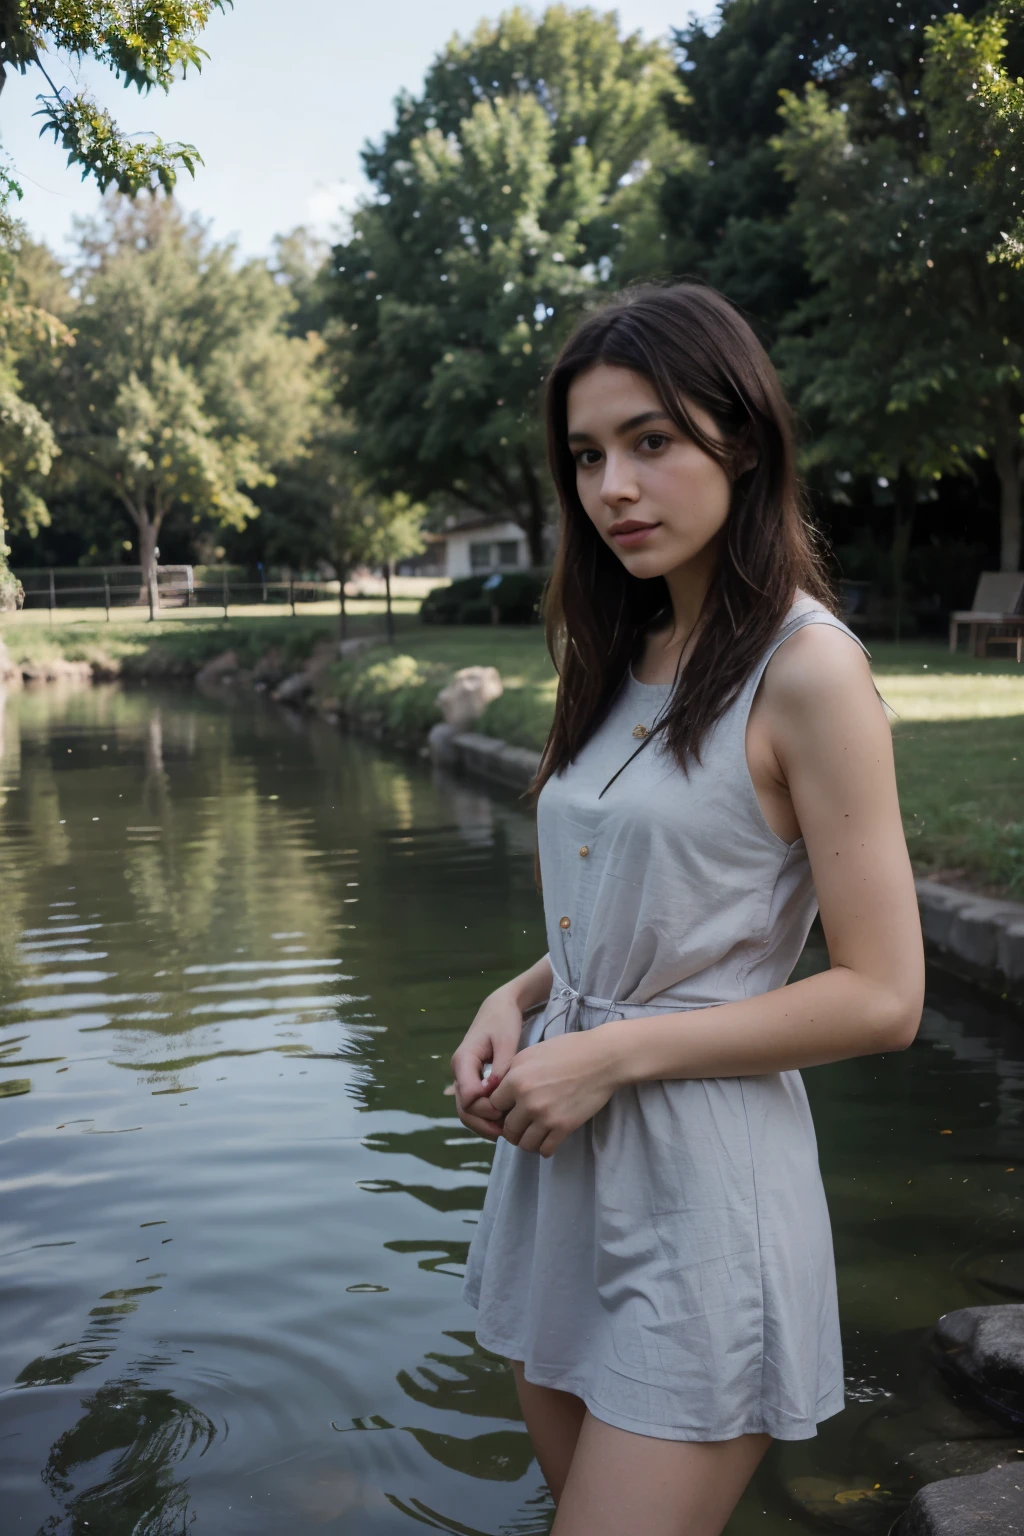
[(573, 1001)]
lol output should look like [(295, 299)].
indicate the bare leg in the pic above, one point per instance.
[(553, 1420), (621, 1484)]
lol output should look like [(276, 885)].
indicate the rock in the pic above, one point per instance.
[(991, 1504), (294, 689), (298, 688), (269, 668), (468, 694), (982, 1349), (57, 670), (984, 933), (217, 670), (938, 1459), (441, 743), (495, 759), (354, 646)]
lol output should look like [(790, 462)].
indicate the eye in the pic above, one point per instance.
[(654, 440), (586, 458)]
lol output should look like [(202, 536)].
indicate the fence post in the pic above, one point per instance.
[(53, 597), (106, 594), (291, 592), (224, 580)]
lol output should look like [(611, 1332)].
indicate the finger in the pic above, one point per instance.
[(488, 1128), (468, 1070), (551, 1142), (483, 1107), (517, 1122), (479, 1108), (532, 1138), (504, 1056), (503, 1097)]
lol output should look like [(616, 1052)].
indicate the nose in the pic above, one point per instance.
[(618, 484)]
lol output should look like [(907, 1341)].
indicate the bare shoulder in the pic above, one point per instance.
[(819, 667)]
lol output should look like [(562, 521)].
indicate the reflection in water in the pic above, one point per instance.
[(236, 952), (139, 1435)]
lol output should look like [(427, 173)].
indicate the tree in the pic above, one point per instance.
[(899, 228), (514, 190), (393, 531), (726, 206), (184, 390), (31, 337), (146, 46)]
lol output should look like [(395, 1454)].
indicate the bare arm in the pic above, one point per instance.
[(834, 752)]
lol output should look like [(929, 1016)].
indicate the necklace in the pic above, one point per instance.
[(640, 731)]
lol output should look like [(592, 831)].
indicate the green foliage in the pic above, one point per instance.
[(464, 601), (899, 226), (185, 390), (166, 451), (30, 336), (392, 529), (726, 206), (444, 604), (397, 696), (145, 46), (507, 195)]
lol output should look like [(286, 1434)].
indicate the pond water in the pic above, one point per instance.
[(236, 952)]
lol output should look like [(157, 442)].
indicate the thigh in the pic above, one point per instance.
[(620, 1482), (553, 1421)]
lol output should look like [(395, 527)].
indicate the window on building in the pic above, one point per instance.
[(480, 556), (508, 553)]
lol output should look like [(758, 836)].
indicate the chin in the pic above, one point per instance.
[(645, 565)]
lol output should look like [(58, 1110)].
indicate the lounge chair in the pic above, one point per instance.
[(998, 606)]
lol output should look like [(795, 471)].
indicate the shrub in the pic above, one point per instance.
[(397, 695), (516, 596), (442, 605), (477, 612)]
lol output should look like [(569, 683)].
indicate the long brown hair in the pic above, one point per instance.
[(691, 345)]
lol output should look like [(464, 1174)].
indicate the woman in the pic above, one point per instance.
[(654, 1253)]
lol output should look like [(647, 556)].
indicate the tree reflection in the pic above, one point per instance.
[(474, 1382), (139, 1436)]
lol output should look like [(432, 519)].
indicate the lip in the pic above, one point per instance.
[(630, 531)]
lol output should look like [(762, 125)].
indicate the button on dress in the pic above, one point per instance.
[(671, 1263)]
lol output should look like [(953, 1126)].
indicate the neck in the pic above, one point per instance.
[(688, 587)]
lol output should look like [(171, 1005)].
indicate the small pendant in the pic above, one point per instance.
[(640, 731)]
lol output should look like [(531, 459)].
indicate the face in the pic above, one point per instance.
[(654, 496)]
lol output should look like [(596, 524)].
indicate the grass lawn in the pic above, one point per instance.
[(958, 732), (958, 723), (192, 637)]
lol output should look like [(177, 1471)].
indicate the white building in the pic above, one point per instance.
[(473, 548)]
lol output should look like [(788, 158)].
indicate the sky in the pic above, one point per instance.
[(286, 100)]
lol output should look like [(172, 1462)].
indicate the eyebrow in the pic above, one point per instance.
[(625, 426)]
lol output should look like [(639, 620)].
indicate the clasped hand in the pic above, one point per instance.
[(547, 1091)]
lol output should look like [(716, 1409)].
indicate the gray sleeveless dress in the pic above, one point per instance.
[(671, 1263)]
